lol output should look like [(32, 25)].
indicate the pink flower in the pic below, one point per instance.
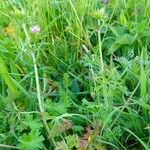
[(35, 29), (105, 1)]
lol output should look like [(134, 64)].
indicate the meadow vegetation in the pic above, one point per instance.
[(75, 74)]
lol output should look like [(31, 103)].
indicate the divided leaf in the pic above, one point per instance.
[(31, 141)]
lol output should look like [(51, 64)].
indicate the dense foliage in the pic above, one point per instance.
[(75, 74)]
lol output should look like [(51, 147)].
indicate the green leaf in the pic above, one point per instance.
[(54, 108), (7, 78), (73, 141), (61, 146), (75, 86), (126, 39), (144, 105), (33, 124), (65, 98), (31, 141), (66, 80)]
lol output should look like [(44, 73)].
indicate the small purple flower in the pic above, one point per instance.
[(35, 29), (105, 1)]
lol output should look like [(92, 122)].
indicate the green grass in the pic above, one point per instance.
[(82, 82)]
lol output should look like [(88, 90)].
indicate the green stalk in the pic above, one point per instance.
[(100, 48), (143, 78), (8, 146), (41, 108), (37, 84)]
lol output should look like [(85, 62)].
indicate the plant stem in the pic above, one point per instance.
[(8, 146), (37, 84), (76, 14), (39, 95), (100, 48)]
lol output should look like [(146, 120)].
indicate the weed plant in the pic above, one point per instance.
[(75, 74)]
